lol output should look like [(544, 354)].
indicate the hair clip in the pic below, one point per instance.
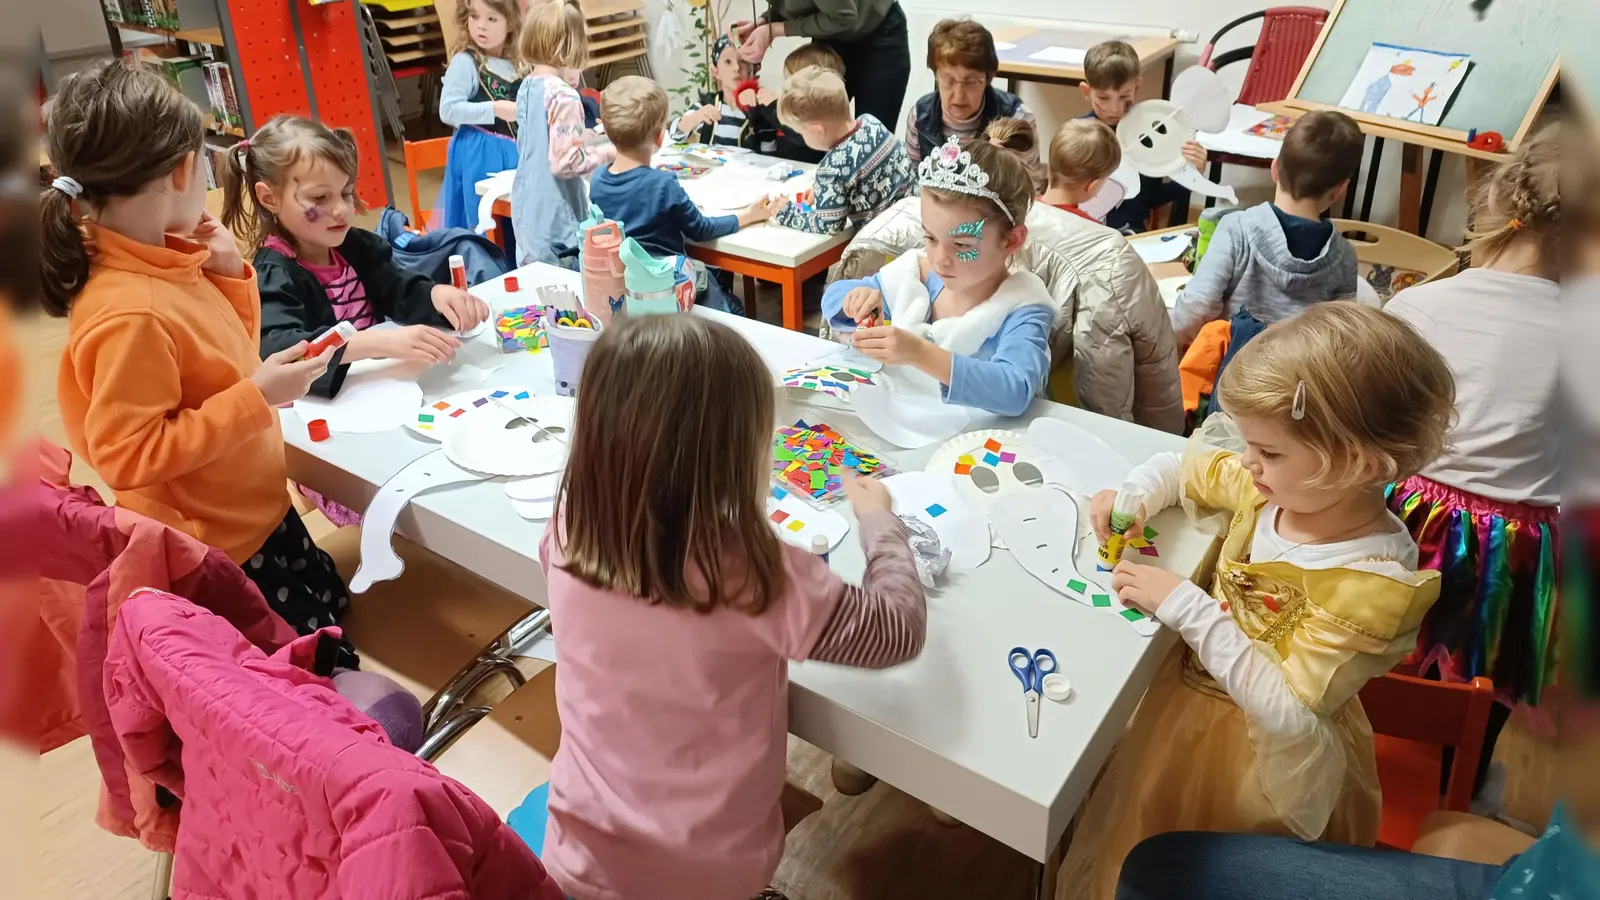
[(1297, 410), (1515, 224)]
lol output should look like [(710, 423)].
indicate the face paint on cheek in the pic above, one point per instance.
[(973, 230), (313, 213)]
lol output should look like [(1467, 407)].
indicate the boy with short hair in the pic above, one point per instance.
[(864, 169), (1083, 154), (1112, 76), (649, 203), (739, 115), (790, 144), (1271, 261)]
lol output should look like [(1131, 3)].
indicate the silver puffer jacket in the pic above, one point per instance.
[(1111, 325)]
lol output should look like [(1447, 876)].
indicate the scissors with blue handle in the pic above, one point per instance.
[(1030, 669)]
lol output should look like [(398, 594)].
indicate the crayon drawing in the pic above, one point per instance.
[(1406, 83)]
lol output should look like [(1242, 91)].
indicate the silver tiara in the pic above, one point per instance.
[(951, 168)]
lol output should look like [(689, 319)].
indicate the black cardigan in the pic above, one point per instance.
[(295, 307)]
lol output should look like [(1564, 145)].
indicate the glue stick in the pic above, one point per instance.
[(330, 340), (819, 546), (1124, 511), (458, 271)]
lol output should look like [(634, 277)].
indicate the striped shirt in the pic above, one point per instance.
[(728, 131), (338, 278)]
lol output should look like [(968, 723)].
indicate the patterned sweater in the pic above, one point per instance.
[(856, 181)]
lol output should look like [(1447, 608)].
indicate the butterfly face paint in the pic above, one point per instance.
[(313, 213), (974, 230)]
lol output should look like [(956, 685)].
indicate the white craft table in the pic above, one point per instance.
[(948, 728), (766, 252)]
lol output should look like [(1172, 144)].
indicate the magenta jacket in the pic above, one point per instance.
[(287, 790)]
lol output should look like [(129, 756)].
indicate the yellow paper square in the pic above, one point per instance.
[(795, 525)]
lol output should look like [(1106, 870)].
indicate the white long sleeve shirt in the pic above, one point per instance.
[(456, 106)]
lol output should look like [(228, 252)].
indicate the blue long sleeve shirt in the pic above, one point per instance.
[(1006, 372), (655, 210)]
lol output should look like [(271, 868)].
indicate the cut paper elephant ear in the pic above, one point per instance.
[(797, 522), (931, 498), (378, 559), (1202, 94), (1075, 458), (1041, 528), (1152, 136)]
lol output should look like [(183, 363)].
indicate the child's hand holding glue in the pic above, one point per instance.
[(862, 305), (1115, 515), (285, 376)]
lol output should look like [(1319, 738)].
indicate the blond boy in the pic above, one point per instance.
[(1083, 154), (864, 167)]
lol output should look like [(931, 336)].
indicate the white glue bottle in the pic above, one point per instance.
[(819, 546)]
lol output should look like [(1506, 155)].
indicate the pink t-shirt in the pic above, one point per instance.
[(338, 279), (674, 726)]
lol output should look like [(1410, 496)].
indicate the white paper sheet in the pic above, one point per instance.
[(1236, 137), (366, 403), (1002, 46), (1083, 463), (1407, 83), (1040, 526), (1172, 288), (1190, 177), (1162, 248), (378, 559), (931, 497), (1067, 56), (796, 522), (535, 510), (908, 420)]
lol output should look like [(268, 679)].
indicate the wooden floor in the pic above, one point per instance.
[(882, 845)]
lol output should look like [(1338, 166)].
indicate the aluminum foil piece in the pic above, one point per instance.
[(931, 557)]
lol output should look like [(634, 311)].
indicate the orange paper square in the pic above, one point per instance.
[(992, 445)]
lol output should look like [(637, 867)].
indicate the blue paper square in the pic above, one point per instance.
[(991, 459), (779, 493), (936, 511)]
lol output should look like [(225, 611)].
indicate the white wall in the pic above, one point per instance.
[(1053, 104)]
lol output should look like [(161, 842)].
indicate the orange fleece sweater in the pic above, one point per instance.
[(155, 392)]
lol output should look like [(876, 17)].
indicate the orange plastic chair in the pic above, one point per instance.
[(1413, 720), (420, 157)]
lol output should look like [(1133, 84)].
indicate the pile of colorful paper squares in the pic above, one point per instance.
[(521, 329), (809, 459), (992, 456), (1144, 543), (831, 380)]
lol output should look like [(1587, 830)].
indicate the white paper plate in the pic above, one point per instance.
[(540, 487), (1006, 477), (436, 419), (495, 440)]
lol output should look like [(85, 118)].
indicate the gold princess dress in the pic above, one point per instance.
[(1318, 622)]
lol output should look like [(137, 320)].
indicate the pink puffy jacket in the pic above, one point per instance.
[(287, 790)]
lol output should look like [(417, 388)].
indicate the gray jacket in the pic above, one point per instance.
[(832, 20), (1111, 327), (1248, 264)]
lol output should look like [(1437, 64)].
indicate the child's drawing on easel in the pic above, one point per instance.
[(1406, 83)]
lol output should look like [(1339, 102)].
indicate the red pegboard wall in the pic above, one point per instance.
[(268, 70)]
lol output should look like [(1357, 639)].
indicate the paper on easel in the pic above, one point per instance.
[(1406, 83)]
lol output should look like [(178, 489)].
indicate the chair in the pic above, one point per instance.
[(1287, 35), (421, 156), (1413, 720), (1392, 260)]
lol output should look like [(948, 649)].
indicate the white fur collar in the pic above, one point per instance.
[(909, 303)]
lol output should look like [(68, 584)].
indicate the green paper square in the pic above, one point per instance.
[(1132, 615), (1101, 600), (1076, 585), (1150, 533), (424, 417)]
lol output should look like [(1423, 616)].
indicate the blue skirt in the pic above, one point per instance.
[(475, 154)]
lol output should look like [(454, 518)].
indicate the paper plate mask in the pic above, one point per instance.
[(1204, 98), (1152, 136)]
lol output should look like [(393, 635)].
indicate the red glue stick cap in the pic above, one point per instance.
[(318, 429), (511, 284)]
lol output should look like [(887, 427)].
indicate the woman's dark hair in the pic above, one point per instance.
[(113, 128)]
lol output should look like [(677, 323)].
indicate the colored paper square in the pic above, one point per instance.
[(425, 427), (458, 413), (779, 515), (441, 405), (989, 459), (1132, 615), (481, 401), (1150, 534), (1008, 457), (498, 394), (991, 445), (965, 460), (963, 470), (1101, 600), (1148, 551), (936, 510), (796, 525), (521, 396), (779, 493), (424, 417), (1076, 585)]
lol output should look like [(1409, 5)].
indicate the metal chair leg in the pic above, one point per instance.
[(455, 693), (162, 888), (446, 734)]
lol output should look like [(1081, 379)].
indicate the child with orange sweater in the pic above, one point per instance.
[(161, 387)]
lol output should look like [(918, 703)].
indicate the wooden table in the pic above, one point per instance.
[(1416, 191), (1017, 67), (766, 252)]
